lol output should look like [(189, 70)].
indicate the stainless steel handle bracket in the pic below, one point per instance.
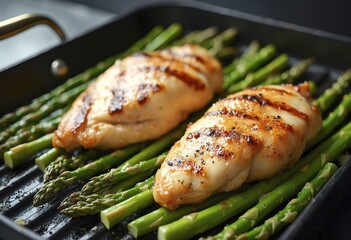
[(23, 22)]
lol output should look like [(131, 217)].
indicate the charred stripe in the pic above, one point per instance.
[(185, 165), (171, 60), (191, 81), (117, 101), (216, 132), (266, 102), (145, 90), (232, 113), (82, 115)]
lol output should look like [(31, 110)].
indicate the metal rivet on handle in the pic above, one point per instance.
[(59, 68)]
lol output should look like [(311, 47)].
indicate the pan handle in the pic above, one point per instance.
[(25, 21)]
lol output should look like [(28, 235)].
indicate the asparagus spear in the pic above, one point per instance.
[(295, 206), (334, 119), (77, 80), (327, 99), (250, 64), (55, 114), (51, 188), (151, 151), (250, 51), (162, 216), (43, 161), (168, 36), (290, 75), (196, 37), (95, 203), (218, 43), (313, 87), (127, 170), (259, 76), (66, 163), (18, 154), (45, 110), (126, 184), (30, 134), (198, 222), (77, 199), (113, 215)]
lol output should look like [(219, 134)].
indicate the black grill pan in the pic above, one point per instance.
[(28, 79)]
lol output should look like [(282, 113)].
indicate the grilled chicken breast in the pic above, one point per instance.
[(140, 98), (247, 136)]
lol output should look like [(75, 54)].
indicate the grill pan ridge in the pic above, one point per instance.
[(17, 187)]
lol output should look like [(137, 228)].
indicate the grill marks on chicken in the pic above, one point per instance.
[(140, 98), (177, 65), (117, 101), (245, 137), (81, 117), (146, 90), (263, 102)]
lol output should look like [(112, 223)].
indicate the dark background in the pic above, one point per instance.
[(330, 16)]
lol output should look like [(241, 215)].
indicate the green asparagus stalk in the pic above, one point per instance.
[(126, 184), (113, 215), (77, 80), (30, 134), (250, 64), (67, 163), (334, 119), (225, 52), (327, 99), (295, 206), (51, 188), (259, 76), (196, 37), (290, 75), (167, 36), (122, 172), (218, 43), (95, 203), (45, 110), (78, 199), (153, 150), (313, 87), (55, 114), (198, 222), (22, 152), (162, 216), (189, 38), (251, 50), (222, 39), (44, 160)]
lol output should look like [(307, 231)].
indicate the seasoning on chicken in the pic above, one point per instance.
[(140, 98), (247, 136)]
